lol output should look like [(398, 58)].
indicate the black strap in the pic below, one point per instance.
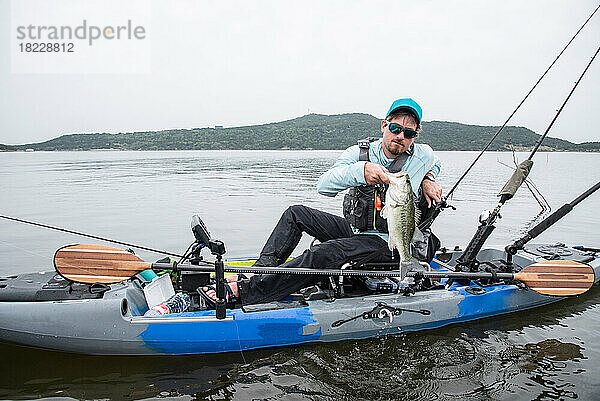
[(399, 161), (364, 145), (397, 164)]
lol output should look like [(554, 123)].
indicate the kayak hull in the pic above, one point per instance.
[(114, 325)]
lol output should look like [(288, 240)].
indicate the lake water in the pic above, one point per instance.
[(147, 198)]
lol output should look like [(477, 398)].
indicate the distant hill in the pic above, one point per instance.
[(312, 131)]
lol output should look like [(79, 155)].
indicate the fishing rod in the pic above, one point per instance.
[(426, 223), (33, 223), (546, 223), (468, 258)]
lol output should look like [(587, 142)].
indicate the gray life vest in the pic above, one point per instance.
[(362, 204)]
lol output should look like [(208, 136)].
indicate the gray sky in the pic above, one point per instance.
[(248, 62)]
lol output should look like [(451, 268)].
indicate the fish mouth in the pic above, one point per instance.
[(398, 174)]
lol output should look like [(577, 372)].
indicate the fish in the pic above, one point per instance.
[(402, 218)]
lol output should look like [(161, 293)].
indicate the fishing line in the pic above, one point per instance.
[(443, 204), (33, 223), (529, 183), (539, 142), (468, 259), (535, 192), (520, 104), (430, 220), (237, 330)]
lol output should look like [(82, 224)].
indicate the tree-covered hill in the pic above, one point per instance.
[(312, 131)]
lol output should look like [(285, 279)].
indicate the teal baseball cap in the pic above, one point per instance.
[(409, 105)]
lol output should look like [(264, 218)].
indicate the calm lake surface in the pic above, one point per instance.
[(147, 198)]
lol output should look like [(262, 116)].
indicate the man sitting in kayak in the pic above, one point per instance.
[(361, 168)]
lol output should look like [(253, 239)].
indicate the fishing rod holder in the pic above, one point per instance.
[(543, 225)]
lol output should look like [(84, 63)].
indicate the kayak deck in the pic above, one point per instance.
[(114, 324)]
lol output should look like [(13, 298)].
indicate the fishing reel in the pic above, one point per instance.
[(484, 216), (432, 213)]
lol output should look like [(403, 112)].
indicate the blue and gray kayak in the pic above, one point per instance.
[(47, 311)]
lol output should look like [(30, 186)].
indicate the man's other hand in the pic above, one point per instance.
[(432, 191), (375, 174)]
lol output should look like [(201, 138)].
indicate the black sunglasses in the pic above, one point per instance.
[(397, 128)]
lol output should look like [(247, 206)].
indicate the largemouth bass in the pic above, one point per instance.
[(402, 218)]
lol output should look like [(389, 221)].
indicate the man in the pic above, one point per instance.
[(360, 168)]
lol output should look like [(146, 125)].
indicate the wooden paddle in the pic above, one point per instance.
[(97, 263), (105, 264), (549, 277)]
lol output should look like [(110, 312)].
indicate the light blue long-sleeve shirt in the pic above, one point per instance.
[(349, 172)]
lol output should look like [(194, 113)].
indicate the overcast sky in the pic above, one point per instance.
[(246, 62)]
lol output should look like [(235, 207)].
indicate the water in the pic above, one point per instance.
[(147, 198)]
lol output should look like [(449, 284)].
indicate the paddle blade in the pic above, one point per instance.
[(557, 277), (97, 264)]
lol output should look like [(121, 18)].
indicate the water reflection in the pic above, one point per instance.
[(553, 350)]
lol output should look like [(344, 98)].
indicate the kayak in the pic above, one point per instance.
[(83, 309), (45, 310)]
